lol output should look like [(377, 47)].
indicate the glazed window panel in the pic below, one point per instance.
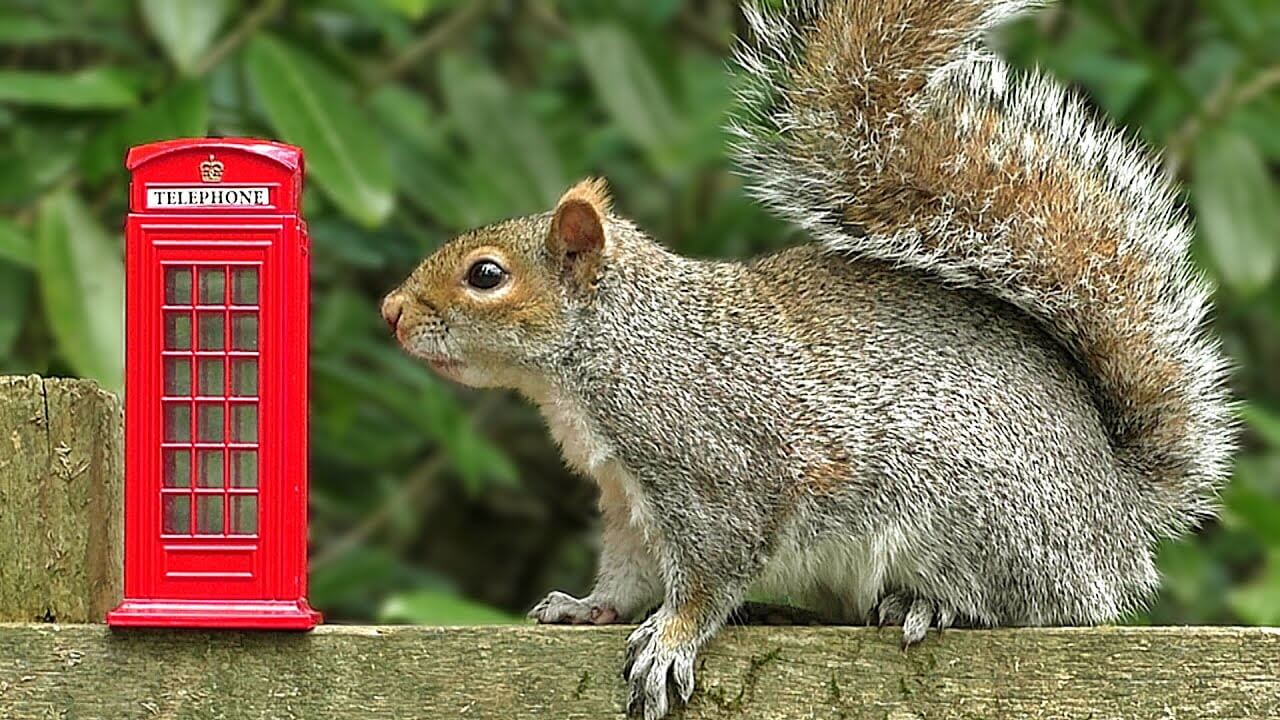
[(213, 288), (176, 514), (177, 422), (177, 330), (244, 377), (177, 376), (209, 512), (177, 286), (212, 383), (244, 423), (244, 514), (177, 468), (244, 331), (212, 330), (244, 468), (209, 468), (210, 423), (244, 286)]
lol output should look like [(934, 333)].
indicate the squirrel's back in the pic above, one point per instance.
[(916, 437)]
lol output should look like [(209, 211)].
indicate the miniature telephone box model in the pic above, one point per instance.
[(216, 387)]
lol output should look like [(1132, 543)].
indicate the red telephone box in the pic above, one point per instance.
[(216, 387)]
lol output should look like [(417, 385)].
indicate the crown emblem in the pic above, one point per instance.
[(211, 170)]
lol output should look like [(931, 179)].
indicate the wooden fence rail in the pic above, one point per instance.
[(60, 539)]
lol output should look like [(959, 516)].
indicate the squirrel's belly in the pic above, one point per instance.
[(842, 578)]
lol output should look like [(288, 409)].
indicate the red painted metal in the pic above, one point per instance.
[(217, 293)]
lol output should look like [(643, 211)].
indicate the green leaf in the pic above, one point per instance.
[(1115, 82), (184, 28), (630, 91), (1256, 511), (407, 115), (309, 106), (21, 28), (15, 294), (478, 461), (97, 88), (38, 157), (1238, 210), (1258, 602), (412, 9), (15, 246), (500, 131), (181, 112), (82, 287), (1263, 422), (435, 607)]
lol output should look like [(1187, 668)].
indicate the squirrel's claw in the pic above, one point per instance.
[(652, 667), (915, 615), (916, 624)]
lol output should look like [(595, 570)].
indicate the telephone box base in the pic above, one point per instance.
[(230, 614)]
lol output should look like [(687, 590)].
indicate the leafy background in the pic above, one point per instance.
[(421, 118)]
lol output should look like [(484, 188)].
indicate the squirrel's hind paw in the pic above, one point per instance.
[(559, 608), (915, 615)]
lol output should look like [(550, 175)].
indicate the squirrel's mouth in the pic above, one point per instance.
[(443, 364)]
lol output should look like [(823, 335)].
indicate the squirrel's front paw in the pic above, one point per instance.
[(564, 609), (654, 654)]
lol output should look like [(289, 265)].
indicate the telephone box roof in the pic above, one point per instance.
[(288, 156)]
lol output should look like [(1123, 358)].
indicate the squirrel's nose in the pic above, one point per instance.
[(392, 309)]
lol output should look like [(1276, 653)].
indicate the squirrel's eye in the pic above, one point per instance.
[(485, 275)]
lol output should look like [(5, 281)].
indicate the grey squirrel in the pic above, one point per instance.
[(979, 398)]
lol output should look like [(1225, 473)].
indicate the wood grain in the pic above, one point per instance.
[(88, 671), (61, 496)]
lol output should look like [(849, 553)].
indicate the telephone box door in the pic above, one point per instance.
[(212, 453)]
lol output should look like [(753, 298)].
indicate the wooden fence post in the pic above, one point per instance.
[(61, 500)]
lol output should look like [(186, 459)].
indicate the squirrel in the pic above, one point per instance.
[(979, 397)]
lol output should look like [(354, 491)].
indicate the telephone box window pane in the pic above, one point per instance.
[(213, 286), (244, 423), (211, 379), (212, 331), (209, 468), (177, 331), (208, 514), (177, 286), (244, 469), (244, 377), (209, 423), (177, 377), (177, 422), (244, 286), (244, 514), (244, 332), (177, 468), (177, 515)]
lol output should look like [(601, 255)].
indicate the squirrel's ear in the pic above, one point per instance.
[(577, 229)]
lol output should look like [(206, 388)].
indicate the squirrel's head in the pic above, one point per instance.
[(495, 303)]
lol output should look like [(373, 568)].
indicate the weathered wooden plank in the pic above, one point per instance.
[(61, 500), (88, 671)]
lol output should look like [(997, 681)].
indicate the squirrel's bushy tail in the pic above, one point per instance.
[(885, 130)]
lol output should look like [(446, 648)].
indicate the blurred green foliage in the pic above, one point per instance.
[(421, 118)]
